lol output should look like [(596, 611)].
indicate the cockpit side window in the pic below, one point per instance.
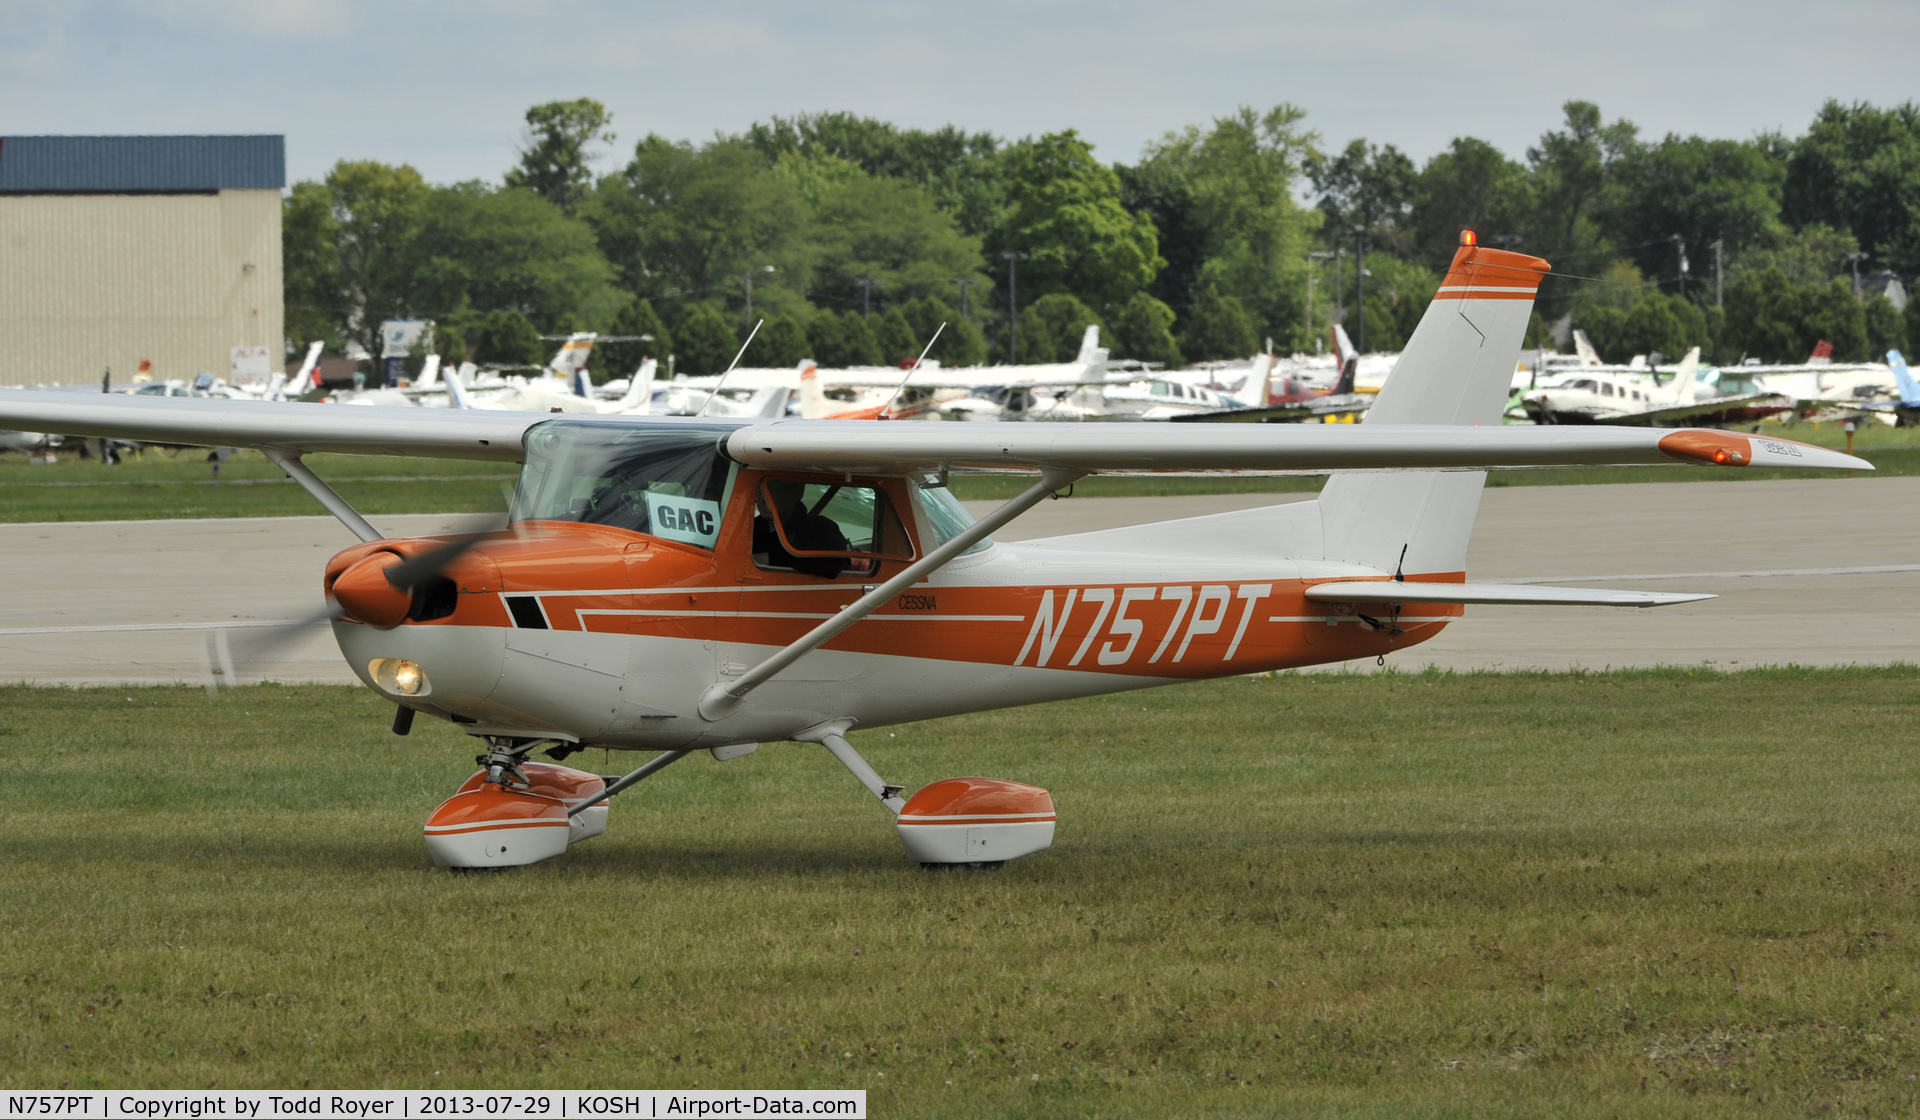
[(825, 528), (666, 482)]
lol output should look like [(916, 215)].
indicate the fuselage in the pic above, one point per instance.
[(607, 632)]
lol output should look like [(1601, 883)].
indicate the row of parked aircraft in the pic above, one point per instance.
[(1547, 389)]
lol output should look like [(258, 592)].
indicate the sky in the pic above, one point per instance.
[(444, 86)]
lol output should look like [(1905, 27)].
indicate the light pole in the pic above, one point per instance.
[(1360, 289), (749, 275), (1719, 288), (1853, 261), (1680, 247), (1505, 240), (866, 295), (1339, 286), (1316, 255), (964, 283), (1013, 308)]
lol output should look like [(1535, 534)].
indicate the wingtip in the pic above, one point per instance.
[(1715, 448)]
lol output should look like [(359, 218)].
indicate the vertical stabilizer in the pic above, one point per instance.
[(457, 386), (302, 380), (639, 396), (813, 399), (429, 373), (1909, 392), (1455, 370), (1583, 346)]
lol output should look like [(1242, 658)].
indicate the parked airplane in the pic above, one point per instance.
[(674, 585), (1602, 395)]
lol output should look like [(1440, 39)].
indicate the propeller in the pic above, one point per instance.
[(258, 644)]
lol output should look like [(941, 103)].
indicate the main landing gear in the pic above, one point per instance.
[(979, 822)]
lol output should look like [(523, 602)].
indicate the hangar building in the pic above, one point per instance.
[(120, 249)]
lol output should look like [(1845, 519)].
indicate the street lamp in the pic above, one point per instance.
[(749, 275), (1360, 289), (1013, 307), (964, 283), (1853, 261), (1316, 255), (1680, 246), (866, 295)]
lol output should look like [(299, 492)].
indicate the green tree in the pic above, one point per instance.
[(1471, 185), (1886, 330), (1913, 319), (1219, 329), (1063, 208), (1241, 173), (1367, 186), (651, 339), (896, 338), (1700, 190), (960, 171), (349, 248), (683, 224), (704, 342), (485, 248), (1143, 331), (1763, 317), (1655, 323), (842, 341), (960, 342), (1572, 170), (1063, 321), (1829, 312), (507, 338), (885, 230), (1858, 169), (553, 156), (1161, 191), (781, 343)]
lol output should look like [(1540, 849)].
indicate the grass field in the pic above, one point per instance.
[(1625, 894), (160, 483)]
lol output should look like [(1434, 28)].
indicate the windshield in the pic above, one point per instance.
[(947, 517), (667, 481)]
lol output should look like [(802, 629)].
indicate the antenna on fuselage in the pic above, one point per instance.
[(723, 374), (908, 376)]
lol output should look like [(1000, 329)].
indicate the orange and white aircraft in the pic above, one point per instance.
[(683, 584)]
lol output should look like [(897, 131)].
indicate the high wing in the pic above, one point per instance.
[(891, 448), (829, 445), (1705, 408), (1296, 412)]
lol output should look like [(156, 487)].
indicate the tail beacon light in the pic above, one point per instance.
[(566, 785), (980, 821), (496, 827)]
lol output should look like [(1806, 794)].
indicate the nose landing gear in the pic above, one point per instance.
[(513, 812)]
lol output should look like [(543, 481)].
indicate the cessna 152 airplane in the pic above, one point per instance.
[(683, 584)]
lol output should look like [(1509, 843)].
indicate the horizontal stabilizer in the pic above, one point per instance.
[(1508, 594)]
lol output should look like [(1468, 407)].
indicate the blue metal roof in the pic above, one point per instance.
[(120, 164)]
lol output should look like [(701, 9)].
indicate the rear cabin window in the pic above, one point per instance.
[(826, 529), (666, 481)]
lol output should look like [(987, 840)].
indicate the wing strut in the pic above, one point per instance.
[(722, 696), (324, 494)]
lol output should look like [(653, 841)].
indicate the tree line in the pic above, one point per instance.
[(854, 238)]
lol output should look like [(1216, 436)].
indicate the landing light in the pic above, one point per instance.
[(397, 674), (1720, 455)]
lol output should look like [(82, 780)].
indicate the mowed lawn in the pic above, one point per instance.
[(166, 483), (1652, 893)]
